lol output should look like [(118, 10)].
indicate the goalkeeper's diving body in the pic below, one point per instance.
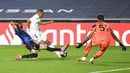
[(33, 47), (100, 35)]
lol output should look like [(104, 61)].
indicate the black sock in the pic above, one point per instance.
[(29, 56), (53, 49)]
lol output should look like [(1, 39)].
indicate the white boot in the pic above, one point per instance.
[(82, 59), (92, 60)]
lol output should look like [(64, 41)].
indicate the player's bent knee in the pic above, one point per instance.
[(89, 45), (43, 46)]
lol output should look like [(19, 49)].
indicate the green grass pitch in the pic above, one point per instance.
[(48, 62)]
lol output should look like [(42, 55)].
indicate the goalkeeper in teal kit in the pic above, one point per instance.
[(33, 47)]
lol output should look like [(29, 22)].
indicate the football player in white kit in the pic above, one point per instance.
[(34, 29)]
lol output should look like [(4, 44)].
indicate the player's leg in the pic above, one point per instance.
[(44, 38), (46, 46), (32, 55), (52, 49), (56, 52), (31, 47), (86, 52), (103, 47)]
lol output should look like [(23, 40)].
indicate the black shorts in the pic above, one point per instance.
[(31, 45)]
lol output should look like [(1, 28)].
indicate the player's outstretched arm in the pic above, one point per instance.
[(13, 24), (116, 39), (44, 23), (86, 39)]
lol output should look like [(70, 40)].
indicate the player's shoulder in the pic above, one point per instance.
[(106, 24), (34, 17)]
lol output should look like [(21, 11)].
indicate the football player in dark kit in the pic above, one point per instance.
[(31, 45)]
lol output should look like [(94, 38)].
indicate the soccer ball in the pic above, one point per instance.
[(63, 54)]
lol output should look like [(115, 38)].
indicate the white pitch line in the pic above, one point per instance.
[(110, 70)]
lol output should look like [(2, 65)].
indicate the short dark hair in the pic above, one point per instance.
[(100, 17), (40, 10)]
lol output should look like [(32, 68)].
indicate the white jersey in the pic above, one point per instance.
[(34, 22), (34, 30)]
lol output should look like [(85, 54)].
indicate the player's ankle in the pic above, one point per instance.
[(94, 57), (62, 49), (20, 56)]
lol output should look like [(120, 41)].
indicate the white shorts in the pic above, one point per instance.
[(37, 36)]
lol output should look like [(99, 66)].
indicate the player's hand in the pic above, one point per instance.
[(11, 22), (123, 47), (79, 45)]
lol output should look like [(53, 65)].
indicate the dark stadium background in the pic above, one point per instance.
[(80, 8)]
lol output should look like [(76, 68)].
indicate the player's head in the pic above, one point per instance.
[(18, 23), (40, 13), (100, 17)]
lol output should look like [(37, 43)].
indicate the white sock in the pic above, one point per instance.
[(92, 59), (83, 58), (57, 52), (52, 46)]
